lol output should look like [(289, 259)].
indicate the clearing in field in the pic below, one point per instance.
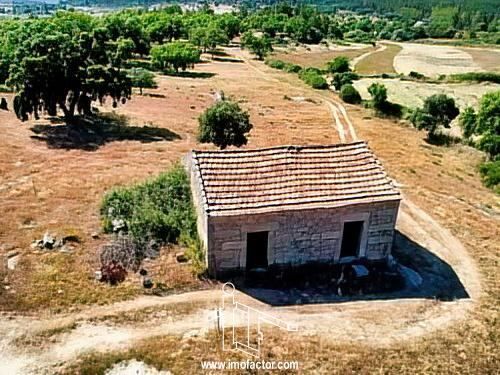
[(433, 60), (412, 94), (379, 62)]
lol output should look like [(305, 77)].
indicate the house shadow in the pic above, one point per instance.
[(437, 280), (91, 132)]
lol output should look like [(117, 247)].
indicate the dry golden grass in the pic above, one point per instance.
[(379, 62), (488, 59), (319, 59), (60, 190)]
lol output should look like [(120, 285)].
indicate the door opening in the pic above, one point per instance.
[(257, 250), (351, 239)]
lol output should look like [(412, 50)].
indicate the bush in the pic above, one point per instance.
[(378, 93), (341, 79), (276, 64), (281, 65), (349, 94), (313, 78), (159, 209), (490, 173), (416, 75), (224, 124), (490, 143), (339, 65), (476, 77)]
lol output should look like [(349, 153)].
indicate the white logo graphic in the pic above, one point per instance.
[(243, 324)]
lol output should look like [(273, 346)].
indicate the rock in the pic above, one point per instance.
[(48, 241), (190, 334), (95, 235), (143, 272), (147, 283), (134, 367), (12, 262), (66, 249), (181, 257), (37, 244), (118, 225), (98, 275)]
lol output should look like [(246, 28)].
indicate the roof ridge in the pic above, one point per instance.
[(281, 147)]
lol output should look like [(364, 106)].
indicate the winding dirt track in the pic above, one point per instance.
[(377, 323)]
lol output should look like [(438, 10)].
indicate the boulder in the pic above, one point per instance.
[(48, 241), (181, 257), (147, 283)]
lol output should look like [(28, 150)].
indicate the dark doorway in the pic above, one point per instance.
[(351, 239), (257, 250)]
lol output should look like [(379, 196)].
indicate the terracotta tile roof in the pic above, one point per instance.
[(290, 177)]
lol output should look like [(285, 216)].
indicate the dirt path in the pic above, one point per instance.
[(377, 322), (341, 120)]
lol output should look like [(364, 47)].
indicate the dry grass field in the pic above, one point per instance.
[(44, 186), (318, 57), (487, 59), (413, 94), (379, 62)]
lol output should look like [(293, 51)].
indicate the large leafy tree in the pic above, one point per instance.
[(258, 45), (438, 110), (61, 64), (175, 55), (224, 124)]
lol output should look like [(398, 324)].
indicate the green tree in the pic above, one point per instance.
[(175, 55), (468, 122), (142, 78), (349, 94), (51, 70), (339, 64), (341, 79), (224, 124), (378, 93), (438, 110), (259, 46)]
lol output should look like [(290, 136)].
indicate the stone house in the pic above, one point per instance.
[(292, 205)]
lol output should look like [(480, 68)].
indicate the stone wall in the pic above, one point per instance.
[(299, 237)]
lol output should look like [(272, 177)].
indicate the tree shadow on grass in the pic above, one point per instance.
[(202, 75), (314, 284), (91, 132), (227, 59)]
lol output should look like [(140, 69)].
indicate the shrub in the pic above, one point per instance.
[(341, 79), (313, 78), (276, 64), (339, 64), (416, 75), (490, 143), (224, 124), (467, 121), (349, 94), (159, 209), (281, 65), (292, 68), (378, 93), (113, 273), (126, 251), (477, 77), (490, 173)]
